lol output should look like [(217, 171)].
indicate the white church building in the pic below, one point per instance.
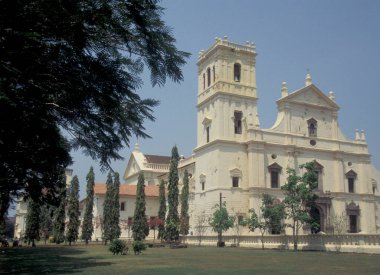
[(236, 157)]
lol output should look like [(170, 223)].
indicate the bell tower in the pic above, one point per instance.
[(227, 99)]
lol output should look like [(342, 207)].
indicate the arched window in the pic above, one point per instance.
[(312, 126), (213, 74), (202, 180), (208, 77), (204, 81), (237, 72)]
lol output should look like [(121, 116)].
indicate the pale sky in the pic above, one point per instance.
[(337, 41)]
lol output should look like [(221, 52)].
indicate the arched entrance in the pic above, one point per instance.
[(315, 214)]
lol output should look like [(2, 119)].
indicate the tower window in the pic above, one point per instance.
[(208, 134), (203, 185), (237, 121), (208, 77), (213, 73), (237, 72), (235, 181), (204, 81)]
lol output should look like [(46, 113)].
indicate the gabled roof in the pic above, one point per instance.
[(157, 159), (310, 95), (127, 190)]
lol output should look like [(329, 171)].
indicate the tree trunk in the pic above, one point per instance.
[(294, 237), (262, 241), (86, 240), (33, 243)]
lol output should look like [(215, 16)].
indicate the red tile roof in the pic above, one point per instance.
[(157, 159), (127, 190)]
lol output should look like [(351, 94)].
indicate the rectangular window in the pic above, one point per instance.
[(274, 179), (203, 185), (122, 206), (237, 122), (208, 134), (235, 181), (317, 174), (351, 182)]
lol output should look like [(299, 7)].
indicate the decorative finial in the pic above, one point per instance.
[(247, 43), (363, 136), (357, 135), (257, 124), (308, 80), (284, 89), (332, 96), (225, 38), (137, 148), (216, 39)]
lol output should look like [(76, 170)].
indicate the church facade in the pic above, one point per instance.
[(239, 160)]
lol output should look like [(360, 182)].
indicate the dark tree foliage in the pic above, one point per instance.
[(162, 210), (60, 214), (87, 225), (75, 65), (32, 227), (273, 212), (107, 209), (172, 220), (184, 226), (73, 211), (46, 221), (115, 211), (140, 227)]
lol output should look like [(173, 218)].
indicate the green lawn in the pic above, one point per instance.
[(193, 260)]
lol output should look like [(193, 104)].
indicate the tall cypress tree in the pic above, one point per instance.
[(32, 230), (107, 209), (184, 226), (59, 214), (46, 222), (73, 211), (87, 226), (140, 226), (115, 211), (162, 210), (172, 221)]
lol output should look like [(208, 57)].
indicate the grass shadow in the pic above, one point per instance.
[(47, 259)]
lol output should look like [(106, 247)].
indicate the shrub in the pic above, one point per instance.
[(118, 247), (138, 246)]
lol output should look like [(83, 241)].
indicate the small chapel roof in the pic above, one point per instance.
[(127, 190)]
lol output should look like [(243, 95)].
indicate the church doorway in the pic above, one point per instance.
[(353, 224), (316, 217)]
